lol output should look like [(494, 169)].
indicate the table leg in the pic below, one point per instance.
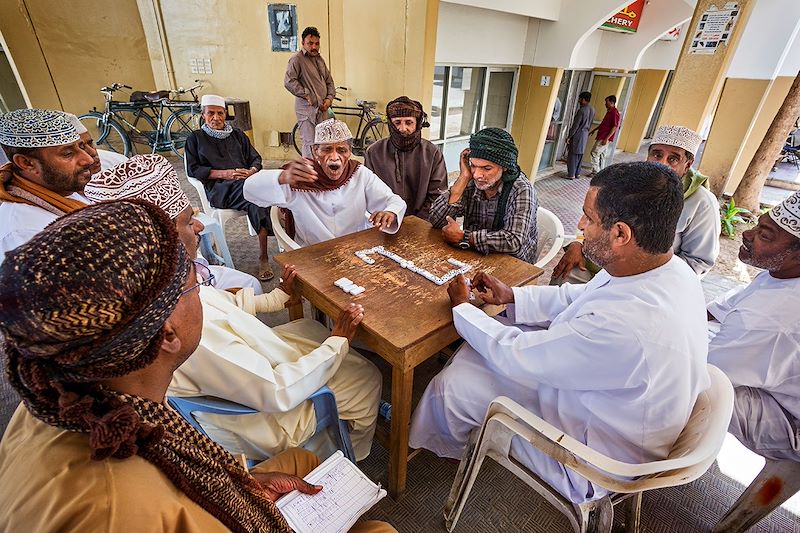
[(296, 311), (402, 384)]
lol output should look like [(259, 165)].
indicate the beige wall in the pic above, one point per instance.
[(390, 51), (646, 89), (9, 90), (533, 109), (65, 51), (698, 78)]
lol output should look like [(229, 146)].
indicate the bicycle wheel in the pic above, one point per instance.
[(141, 128), (297, 141), (374, 131), (107, 134), (179, 126)]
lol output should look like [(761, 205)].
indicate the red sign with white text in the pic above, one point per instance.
[(627, 20)]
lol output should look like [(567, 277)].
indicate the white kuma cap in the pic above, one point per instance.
[(331, 131), (679, 137), (212, 99), (787, 214)]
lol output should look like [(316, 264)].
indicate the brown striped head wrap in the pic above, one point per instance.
[(404, 106), (86, 300)]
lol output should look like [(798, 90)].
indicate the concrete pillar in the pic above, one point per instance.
[(533, 109), (647, 88), (698, 78)]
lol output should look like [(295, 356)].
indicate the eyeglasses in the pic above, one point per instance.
[(203, 274)]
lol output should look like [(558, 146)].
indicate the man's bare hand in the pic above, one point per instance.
[(348, 322), (298, 173), (463, 164), (287, 284), (382, 219), (325, 104), (500, 292), (452, 232), (458, 290), (572, 258), (276, 484)]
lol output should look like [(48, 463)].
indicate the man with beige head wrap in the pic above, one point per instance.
[(756, 336)]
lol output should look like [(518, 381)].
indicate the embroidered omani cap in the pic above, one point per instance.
[(678, 136), (331, 131), (36, 128), (212, 99), (149, 177), (787, 214)]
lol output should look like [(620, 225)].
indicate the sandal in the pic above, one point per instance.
[(265, 273)]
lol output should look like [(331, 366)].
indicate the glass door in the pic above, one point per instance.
[(601, 85)]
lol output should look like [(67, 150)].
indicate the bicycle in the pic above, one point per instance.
[(371, 124), (141, 121)]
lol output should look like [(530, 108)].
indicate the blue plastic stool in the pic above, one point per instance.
[(213, 230), (324, 407)]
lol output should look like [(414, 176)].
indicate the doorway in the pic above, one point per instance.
[(601, 85), (573, 82)]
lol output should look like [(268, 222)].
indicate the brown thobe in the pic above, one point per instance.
[(308, 76), (417, 176)]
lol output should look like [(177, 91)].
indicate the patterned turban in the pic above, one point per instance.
[(331, 131), (36, 128), (85, 300), (495, 145), (149, 177), (787, 214)]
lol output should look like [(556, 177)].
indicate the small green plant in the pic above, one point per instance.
[(730, 216)]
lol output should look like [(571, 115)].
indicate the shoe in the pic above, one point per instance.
[(265, 273)]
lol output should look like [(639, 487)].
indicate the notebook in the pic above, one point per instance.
[(347, 494)]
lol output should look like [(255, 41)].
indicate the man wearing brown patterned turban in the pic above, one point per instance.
[(411, 166), (93, 328)]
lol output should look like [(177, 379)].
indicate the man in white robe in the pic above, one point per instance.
[(595, 359), (49, 164), (697, 233), (755, 336), (330, 195), (241, 359)]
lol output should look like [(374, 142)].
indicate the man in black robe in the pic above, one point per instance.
[(222, 157)]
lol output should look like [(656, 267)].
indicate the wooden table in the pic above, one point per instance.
[(407, 318)]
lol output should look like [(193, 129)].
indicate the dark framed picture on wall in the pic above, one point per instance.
[(283, 27)]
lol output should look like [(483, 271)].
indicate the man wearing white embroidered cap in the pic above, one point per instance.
[(104, 159), (329, 194), (222, 157), (697, 235), (48, 167), (756, 336)]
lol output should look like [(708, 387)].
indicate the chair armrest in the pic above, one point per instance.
[(589, 463)]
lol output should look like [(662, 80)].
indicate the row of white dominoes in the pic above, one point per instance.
[(349, 287), (364, 255)]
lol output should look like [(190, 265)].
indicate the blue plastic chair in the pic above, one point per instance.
[(324, 407)]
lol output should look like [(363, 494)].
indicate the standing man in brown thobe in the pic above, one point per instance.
[(411, 166), (308, 78)]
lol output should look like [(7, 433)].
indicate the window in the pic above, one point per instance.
[(465, 100)]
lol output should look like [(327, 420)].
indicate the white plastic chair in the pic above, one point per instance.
[(222, 215), (285, 242), (695, 449), (778, 481), (550, 232)]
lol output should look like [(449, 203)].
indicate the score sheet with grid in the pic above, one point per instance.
[(346, 494)]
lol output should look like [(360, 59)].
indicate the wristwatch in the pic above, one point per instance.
[(464, 242)]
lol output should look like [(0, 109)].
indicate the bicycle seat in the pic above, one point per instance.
[(154, 96), (366, 103)]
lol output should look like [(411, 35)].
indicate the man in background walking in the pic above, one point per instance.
[(606, 131)]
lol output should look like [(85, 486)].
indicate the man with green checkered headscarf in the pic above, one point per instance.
[(494, 196)]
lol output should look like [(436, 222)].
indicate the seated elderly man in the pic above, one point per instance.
[(756, 336), (697, 235), (222, 157), (594, 360), (328, 195), (494, 196), (272, 370), (136, 177), (48, 167), (411, 166), (93, 389)]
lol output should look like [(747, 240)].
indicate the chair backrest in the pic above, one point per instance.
[(285, 243), (201, 190), (550, 232)]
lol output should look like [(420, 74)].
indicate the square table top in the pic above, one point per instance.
[(401, 307)]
